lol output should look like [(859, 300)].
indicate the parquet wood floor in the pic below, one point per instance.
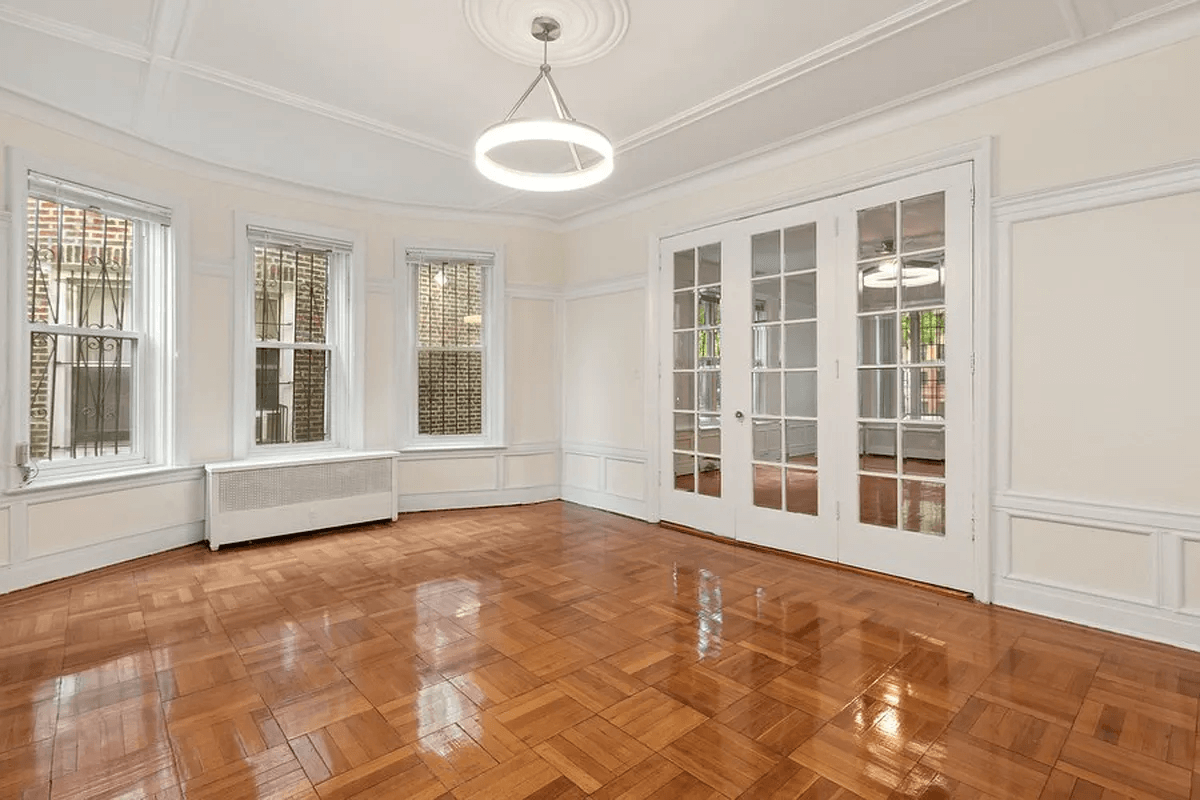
[(553, 651)]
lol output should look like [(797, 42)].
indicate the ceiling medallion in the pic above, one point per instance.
[(565, 129), (592, 28)]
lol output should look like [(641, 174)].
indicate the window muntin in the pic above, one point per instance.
[(96, 289), (453, 319)]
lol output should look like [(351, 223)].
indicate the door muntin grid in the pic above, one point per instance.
[(696, 375), (901, 330), (783, 369)]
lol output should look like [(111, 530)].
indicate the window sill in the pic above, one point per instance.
[(468, 447), (142, 475)]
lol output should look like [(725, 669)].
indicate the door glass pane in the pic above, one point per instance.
[(767, 440), (877, 286), (923, 222), (801, 442), (708, 435), (802, 491), (800, 248), (876, 231), (924, 448), (764, 253), (766, 347), (923, 336), (877, 390), (685, 431), (876, 447), (710, 390), (768, 487), (765, 388), (923, 507), (710, 265), (801, 344), (685, 472), (923, 281), (800, 394), (685, 310), (877, 340), (766, 300), (685, 350), (924, 393), (800, 296), (685, 269), (877, 501), (710, 476), (708, 306), (685, 391)]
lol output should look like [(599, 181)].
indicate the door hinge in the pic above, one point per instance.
[(972, 363), (837, 510), (837, 368), (972, 197)]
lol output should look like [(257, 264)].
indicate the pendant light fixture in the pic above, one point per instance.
[(565, 129)]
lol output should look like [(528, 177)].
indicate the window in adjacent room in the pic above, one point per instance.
[(456, 357), (98, 295)]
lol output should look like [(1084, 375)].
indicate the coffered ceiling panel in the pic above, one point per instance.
[(89, 83), (384, 98), (128, 20), (880, 75), (227, 126)]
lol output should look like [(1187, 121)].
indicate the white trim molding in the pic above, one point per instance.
[(1161, 614), (603, 491)]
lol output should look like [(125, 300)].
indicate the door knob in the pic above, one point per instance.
[(740, 415)]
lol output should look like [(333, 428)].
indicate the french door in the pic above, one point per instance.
[(819, 392)]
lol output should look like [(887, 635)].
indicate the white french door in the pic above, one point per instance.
[(819, 393)]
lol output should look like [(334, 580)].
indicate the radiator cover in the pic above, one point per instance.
[(256, 500)]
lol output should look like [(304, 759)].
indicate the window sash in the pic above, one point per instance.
[(140, 399)]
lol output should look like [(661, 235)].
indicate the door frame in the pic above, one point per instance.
[(979, 154)]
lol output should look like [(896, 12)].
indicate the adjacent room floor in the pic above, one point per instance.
[(554, 651)]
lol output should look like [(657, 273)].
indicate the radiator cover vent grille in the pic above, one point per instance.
[(274, 487)]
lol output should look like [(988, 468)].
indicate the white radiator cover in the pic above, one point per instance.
[(257, 499)]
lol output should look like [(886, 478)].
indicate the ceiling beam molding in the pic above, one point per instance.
[(872, 34), (283, 97), (172, 22), (1070, 15), (73, 33)]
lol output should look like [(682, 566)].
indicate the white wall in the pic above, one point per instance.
[(1101, 521), (50, 532)]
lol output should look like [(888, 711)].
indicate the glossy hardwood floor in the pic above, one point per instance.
[(553, 651)]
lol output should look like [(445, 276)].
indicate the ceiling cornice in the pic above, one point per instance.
[(74, 33), (866, 37), (1181, 21), (33, 110)]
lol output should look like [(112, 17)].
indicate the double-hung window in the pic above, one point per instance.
[(302, 338), (98, 344), (456, 348)]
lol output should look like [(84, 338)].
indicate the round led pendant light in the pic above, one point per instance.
[(564, 130)]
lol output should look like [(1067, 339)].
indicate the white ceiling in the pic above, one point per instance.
[(383, 98)]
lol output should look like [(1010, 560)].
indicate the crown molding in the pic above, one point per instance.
[(39, 113), (866, 37), (1179, 23), (302, 103), (74, 33)]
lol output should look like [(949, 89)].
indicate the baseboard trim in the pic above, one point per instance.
[(487, 498), (604, 501), (1108, 614), (44, 569)]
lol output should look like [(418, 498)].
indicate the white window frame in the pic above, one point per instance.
[(345, 330), (160, 297), (494, 433)]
